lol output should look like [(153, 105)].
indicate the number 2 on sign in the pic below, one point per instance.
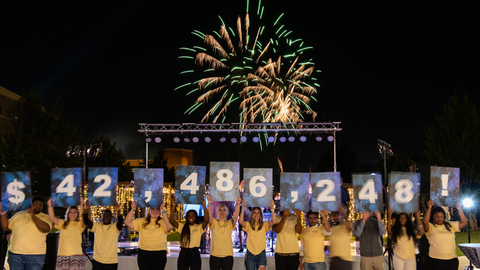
[(324, 195), (193, 187), (101, 190), (368, 192)]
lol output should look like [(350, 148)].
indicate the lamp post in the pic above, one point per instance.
[(385, 149), (468, 203)]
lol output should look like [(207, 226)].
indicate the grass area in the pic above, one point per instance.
[(462, 237)]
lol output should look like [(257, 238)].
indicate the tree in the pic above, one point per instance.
[(160, 162), (454, 141), (394, 163)]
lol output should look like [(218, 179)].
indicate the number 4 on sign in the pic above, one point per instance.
[(193, 187), (67, 186), (368, 192)]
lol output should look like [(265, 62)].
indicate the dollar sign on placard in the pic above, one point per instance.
[(14, 189)]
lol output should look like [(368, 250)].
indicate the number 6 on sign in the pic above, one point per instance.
[(224, 180), (258, 187), (404, 191), (325, 191), (189, 184), (368, 192)]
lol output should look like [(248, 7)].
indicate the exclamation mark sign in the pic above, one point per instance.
[(444, 185)]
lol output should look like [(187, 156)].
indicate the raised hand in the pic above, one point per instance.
[(134, 205)]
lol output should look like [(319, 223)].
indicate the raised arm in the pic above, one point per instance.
[(81, 210), (463, 220), (129, 218), (242, 213), (389, 222), (426, 216), (210, 209), (86, 220), (3, 218), (119, 218), (237, 210), (165, 217), (323, 214), (298, 226), (51, 212), (277, 228), (205, 221), (172, 213), (348, 224), (274, 217), (420, 230)]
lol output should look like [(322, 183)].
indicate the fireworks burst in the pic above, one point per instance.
[(245, 76)]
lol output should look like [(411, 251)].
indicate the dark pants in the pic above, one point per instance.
[(189, 258), (217, 263), (147, 260), (438, 264), (287, 262), (338, 264), (104, 266)]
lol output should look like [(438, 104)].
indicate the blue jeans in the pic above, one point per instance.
[(316, 266), (25, 262), (253, 262)]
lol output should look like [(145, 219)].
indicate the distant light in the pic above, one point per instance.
[(176, 139), (282, 139), (467, 202), (195, 139), (330, 138), (223, 139), (243, 139), (303, 138), (207, 139), (186, 139), (319, 138), (291, 139), (234, 140), (255, 139), (148, 140), (158, 139), (271, 139)]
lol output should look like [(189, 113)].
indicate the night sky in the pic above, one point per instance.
[(387, 67)]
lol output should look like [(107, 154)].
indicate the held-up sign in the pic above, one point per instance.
[(368, 192), (189, 184), (404, 191), (294, 191), (445, 185), (16, 191), (102, 186), (257, 187), (224, 181), (148, 187), (325, 191), (65, 186)]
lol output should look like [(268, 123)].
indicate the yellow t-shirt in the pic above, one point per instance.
[(256, 239), (340, 242), (196, 232), (152, 237), (26, 237), (70, 242), (313, 245), (287, 241), (442, 242), (105, 249), (221, 242), (405, 248)]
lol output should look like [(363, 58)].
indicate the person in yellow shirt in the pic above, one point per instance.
[(190, 236), (441, 237), (70, 253), (105, 249), (256, 230), (339, 250), (29, 233), (287, 252), (153, 231), (221, 247), (404, 237), (312, 253)]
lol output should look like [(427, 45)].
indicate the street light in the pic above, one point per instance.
[(468, 203)]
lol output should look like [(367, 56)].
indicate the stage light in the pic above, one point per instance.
[(158, 139), (291, 139), (186, 139), (255, 139), (271, 139), (223, 139), (318, 138), (69, 151), (207, 139), (176, 139), (283, 139), (234, 140), (467, 202), (330, 138), (148, 139), (303, 138), (243, 139), (195, 139)]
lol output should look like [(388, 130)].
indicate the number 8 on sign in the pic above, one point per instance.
[(404, 191), (224, 180)]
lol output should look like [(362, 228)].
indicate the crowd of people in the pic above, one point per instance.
[(29, 230)]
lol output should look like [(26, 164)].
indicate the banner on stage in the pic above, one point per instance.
[(368, 192), (325, 191), (445, 185), (224, 181), (190, 184), (16, 194), (148, 185), (102, 186), (404, 192), (294, 191), (257, 187), (66, 186)]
